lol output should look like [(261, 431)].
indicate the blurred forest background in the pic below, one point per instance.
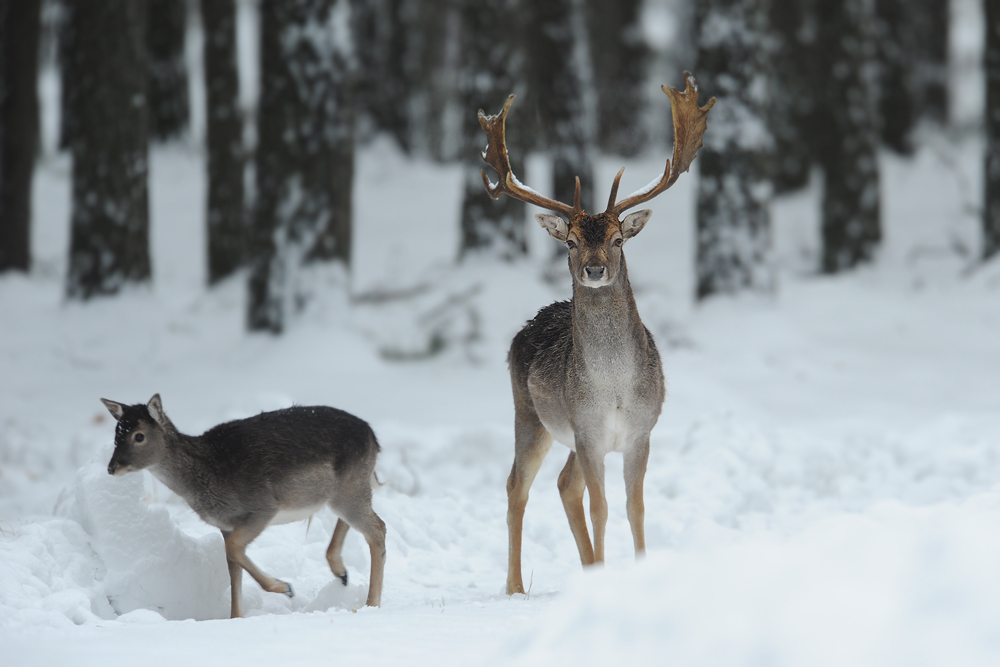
[(284, 92)]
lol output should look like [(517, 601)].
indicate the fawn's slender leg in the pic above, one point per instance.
[(593, 473), (236, 546), (531, 444), (635, 472), (373, 529), (571, 487), (336, 546), (235, 581)]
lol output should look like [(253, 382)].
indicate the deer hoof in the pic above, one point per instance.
[(288, 589), (343, 578)]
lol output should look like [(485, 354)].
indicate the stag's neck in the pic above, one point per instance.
[(606, 324)]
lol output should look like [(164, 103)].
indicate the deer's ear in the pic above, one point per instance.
[(554, 225), (116, 409), (634, 222), (155, 407)]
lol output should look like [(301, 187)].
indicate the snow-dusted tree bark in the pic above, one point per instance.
[(849, 133), (556, 88), (305, 156), (19, 32), (227, 222), (898, 102), (67, 83), (618, 56), (734, 190), (930, 21), (382, 32), (109, 239), (168, 82), (491, 67), (991, 208), (794, 89), (434, 44)]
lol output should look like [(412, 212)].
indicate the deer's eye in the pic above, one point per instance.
[(139, 437), (618, 243), (570, 244)]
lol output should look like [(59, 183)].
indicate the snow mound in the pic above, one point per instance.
[(150, 563), (895, 585)]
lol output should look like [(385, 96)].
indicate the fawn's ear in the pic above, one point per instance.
[(554, 225), (116, 409), (155, 407), (634, 222)]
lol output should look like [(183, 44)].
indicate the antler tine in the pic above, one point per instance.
[(614, 189), (576, 196), (496, 156), (690, 122)]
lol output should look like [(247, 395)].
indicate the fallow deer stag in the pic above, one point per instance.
[(586, 372)]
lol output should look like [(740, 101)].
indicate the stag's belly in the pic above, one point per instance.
[(605, 429)]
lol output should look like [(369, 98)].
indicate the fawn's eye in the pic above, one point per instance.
[(139, 437), (618, 243), (570, 244)]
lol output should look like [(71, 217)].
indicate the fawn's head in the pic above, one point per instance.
[(595, 241), (140, 436)]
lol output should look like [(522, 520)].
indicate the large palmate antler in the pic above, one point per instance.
[(495, 155), (690, 122)]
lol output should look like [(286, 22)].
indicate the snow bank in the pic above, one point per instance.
[(150, 563), (895, 585)]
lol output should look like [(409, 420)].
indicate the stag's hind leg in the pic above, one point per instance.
[(592, 469), (531, 443), (571, 487)]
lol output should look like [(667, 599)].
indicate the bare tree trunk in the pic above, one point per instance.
[(734, 189), (383, 37), (19, 31), (227, 223), (793, 100), (109, 241), (492, 60), (556, 89), (168, 81), (991, 208), (618, 55), (897, 77), (930, 20), (850, 133), (304, 155)]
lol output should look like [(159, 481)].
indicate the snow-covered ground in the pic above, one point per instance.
[(822, 487)]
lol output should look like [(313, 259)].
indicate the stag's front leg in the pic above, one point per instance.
[(635, 472), (531, 444), (592, 466)]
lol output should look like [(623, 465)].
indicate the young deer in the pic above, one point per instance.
[(586, 372), (248, 474)]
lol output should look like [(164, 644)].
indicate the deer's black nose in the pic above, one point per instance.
[(111, 468), (594, 272)]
